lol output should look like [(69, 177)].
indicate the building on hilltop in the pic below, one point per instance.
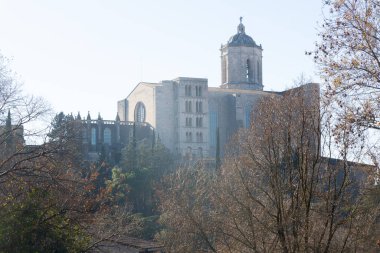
[(186, 112)]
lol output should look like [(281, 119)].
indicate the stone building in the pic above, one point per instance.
[(110, 136), (186, 112)]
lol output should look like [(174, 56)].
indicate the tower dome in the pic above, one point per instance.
[(241, 60), (241, 39)]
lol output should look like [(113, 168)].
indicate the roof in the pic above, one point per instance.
[(241, 91), (130, 244), (241, 39)]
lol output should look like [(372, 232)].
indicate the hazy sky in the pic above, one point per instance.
[(85, 55)]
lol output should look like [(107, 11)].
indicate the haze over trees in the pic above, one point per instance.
[(289, 183)]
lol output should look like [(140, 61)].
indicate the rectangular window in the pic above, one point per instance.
[(187, 106), (188, 90), (199, 121), (189, 122), (198, 107), (189, 137)]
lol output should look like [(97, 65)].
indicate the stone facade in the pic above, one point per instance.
[(186, 113), (110, 136)]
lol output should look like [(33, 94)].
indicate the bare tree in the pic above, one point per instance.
[(275, 191), (349, 58)]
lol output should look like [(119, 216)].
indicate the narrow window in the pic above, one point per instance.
[(140, 112), (107, 136), (248, 72), (93, 136)]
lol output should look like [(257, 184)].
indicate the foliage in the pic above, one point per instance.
[(133, 184), (34, 225), (66, 135)]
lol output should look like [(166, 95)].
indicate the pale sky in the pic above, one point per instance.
[(85, 55)]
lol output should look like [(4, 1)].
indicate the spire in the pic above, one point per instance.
[(8, 122), (241, 28), (99, 117), (78, 116), (117, 117), (88, 116)]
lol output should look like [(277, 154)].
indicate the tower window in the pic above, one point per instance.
[(187, 106), (189, 122), (140, 112), (187, 90), (198, 106), (199, 121), (248, 71), (198, 91)]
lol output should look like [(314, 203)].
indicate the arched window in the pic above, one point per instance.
[(107, 136), (248, 71), (93, 136), (140, 112)]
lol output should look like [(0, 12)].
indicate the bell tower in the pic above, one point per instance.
[(241, 60)]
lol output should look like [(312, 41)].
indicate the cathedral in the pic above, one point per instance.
[(185, 113)]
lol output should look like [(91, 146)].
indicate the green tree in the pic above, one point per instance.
[(34, 225), (66, 135)]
